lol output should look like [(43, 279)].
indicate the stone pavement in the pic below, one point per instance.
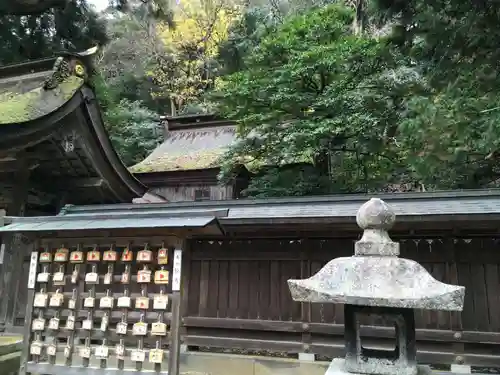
[(195, 363), (10, 354)]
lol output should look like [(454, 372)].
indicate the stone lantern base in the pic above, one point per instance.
[(337, 367), (399, 361)]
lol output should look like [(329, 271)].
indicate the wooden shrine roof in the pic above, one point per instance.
[(432, 211), (24, 99), (194, 142), (50, 123)]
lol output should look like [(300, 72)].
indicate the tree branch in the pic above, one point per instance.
[(27, 7)]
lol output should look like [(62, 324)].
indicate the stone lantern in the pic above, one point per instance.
[(375, 281)]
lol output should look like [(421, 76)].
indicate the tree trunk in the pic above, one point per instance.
[(360, 18), (173, 111)]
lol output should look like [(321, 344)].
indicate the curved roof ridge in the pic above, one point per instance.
[(44, 102)]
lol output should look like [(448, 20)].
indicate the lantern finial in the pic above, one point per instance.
[(375, 214), (375, 217)]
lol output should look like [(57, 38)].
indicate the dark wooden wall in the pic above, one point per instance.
[(238, 298), (183, 193)]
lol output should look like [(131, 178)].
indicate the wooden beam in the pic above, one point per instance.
[(149, 198), (33, 197), (29, 157), (49, 192), (14, 251), (87, 182), (67, 183), (9, 165), (39, 198), (17, 170)]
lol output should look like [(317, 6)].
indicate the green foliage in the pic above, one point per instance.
[(244, 36), (288, 181), (314, 92), (451, 129), (320, 110), (30, 7), (420, 106), (186, 65), (125, 60), (132, 127), (73, 28), (160, 10)]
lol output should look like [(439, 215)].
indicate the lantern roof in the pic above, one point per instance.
[(375, 275)]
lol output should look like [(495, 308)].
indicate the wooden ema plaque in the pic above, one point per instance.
[(92, 323)]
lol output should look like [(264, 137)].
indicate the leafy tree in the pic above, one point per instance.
[(126, 60), (259, 18), (132, 127), (314, 92), (287, 181), (186, 63), (133, 130), (155, 10), (159, 9), (74, 28), (244, 35), (27, 7), (453, 124)]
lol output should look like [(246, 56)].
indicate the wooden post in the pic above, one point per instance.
[(29, 311), (173, 360), (14, 252), (305, 272), (61, 202), (186, 270)]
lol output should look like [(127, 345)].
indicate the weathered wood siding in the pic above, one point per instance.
[(21, 298), (238, 298), (187, 193)]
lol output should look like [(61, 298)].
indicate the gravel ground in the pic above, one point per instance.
[(443, 368)]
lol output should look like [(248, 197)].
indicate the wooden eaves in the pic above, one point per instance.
[(44, 105), (435, 213)]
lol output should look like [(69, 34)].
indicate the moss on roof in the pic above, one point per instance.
[(38, 102), (188, 149), (185, 150), (202, 159)]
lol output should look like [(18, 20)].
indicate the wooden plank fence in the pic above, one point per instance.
[(238, 299)]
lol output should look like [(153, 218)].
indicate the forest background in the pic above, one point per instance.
[(329, 96)]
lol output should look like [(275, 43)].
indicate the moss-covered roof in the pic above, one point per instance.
[(36, 88), (188, 149), (198, 149), (190, 161), (18, 105)]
